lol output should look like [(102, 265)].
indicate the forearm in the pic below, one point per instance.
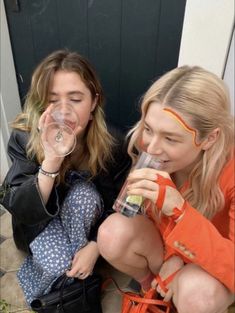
[(46, 183)]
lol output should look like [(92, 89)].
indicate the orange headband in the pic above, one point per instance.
[(182, 122)]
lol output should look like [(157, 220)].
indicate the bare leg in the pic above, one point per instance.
[(132, 245), (196, 291)]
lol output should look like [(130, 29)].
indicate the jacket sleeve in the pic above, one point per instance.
[(199, 241), (22, 196)]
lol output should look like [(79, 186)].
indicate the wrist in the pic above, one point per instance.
[(179, 213), (52, 166), (49, 174), (94, 246)]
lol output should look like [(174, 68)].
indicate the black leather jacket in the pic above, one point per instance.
[(23, 200)]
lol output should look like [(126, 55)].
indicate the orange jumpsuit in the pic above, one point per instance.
[(207, 243)]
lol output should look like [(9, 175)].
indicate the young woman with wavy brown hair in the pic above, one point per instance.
[(58, 202)]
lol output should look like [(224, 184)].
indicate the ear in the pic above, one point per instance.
[(94, 103), (211, 139)]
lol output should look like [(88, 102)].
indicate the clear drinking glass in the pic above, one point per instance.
[(130, 205), (59, 137)]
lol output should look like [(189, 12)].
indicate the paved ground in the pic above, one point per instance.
[(11, 258)]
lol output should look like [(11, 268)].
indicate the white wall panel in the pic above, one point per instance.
[(206, 35)]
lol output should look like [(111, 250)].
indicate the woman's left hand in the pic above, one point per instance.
[(169, 267), (143, 182), (84, 261)]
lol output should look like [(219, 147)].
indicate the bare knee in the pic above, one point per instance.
[(198, 292), (193, 300), (114, 236)]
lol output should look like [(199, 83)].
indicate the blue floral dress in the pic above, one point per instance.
[(53, 249)]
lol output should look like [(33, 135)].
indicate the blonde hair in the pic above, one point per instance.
[(202, 97), (97, 141)]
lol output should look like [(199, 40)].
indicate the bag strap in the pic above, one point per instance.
[(60, 285), (166, 281), (137, 298), (63, 283), (63, 280)]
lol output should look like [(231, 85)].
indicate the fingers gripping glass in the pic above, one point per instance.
[(58, 136), (130, 205)]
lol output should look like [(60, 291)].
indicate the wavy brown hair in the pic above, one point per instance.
[(202, 97), (97, 141)]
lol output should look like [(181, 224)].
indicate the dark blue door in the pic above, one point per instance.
[(129, 42)]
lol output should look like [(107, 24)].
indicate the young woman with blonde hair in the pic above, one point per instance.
[(186, 233), (58, 202)]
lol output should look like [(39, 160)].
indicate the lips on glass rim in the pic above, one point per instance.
[(70, 124), (163, 164), (161, 161)]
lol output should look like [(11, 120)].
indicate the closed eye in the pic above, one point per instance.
[(147, 129), (75, 100), (172, 140)]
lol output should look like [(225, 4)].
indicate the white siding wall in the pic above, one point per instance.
[(206, 38), (9, 96), (206, 33)]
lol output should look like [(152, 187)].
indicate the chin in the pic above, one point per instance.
[(166, 167)]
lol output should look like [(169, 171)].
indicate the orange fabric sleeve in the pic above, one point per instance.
[(210, 244), (199, 242), (224, 220)]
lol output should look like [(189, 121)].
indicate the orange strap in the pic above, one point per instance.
[(179, 212), (165, 181), (162, 182), (149, 297), (165, 282), (161, 197)]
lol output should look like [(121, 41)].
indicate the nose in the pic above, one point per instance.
[(65, 110), (64, 107), (61, 112), (154, 147)]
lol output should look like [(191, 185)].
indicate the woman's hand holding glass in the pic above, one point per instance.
[(58, 127), (143, 182)]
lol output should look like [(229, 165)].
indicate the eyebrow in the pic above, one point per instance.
[(167, 133), (70, 93)]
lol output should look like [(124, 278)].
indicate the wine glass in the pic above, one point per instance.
[(59, 137)]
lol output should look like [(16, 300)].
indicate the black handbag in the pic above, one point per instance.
[(82, 296)]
